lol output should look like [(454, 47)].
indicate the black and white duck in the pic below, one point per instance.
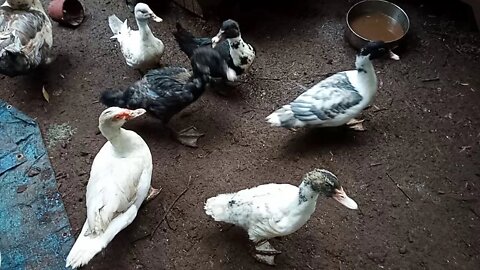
[(165, 92), (25, 37), (338, 99), (228, 42), (274, 210)]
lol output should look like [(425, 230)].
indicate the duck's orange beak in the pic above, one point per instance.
[(127, 114)]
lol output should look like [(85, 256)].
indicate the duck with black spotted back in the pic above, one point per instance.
[(274, 210), (228, 42), (338, 99), (25, 37)]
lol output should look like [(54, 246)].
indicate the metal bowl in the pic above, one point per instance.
[(370, 7)]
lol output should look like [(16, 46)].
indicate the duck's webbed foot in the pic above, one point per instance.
[(152, 193), (188, 136), (265, 252), (356, 124)]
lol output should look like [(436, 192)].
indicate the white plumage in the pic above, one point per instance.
[(265, 211), (119, 183), (336, 100), (273, 210), (141, 49)]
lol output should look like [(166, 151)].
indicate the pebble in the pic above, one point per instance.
[(33, 172), (403, 249)]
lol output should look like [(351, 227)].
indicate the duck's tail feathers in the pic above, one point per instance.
[(116, 25), (185, 40), (84, 249), (217, 206), (114, 97), (283, 117)]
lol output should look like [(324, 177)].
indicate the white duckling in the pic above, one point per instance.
[(141, 49), (25, 37), (119, 183), (273, 210), (338, 99)]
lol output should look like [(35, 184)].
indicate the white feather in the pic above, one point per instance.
[(265, 211), (119, 182), (140, 48), (331, 102)]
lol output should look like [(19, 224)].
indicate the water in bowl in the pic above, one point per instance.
[(377, 26)]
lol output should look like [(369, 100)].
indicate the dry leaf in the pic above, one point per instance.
[(46, 96)]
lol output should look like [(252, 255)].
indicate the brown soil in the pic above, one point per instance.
[(422, 138)]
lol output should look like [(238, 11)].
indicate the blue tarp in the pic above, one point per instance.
[(34, 227)]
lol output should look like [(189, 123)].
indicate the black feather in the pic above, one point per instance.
[(189, 43), (165, 92)]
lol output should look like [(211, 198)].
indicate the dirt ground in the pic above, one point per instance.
[(422, 139)]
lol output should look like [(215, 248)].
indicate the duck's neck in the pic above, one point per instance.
[(144, 29), (366, 74), (306, 195), (237, 44), (364, 65), (198, 84), (117, 136)]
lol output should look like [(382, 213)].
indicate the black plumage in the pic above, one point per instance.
[(165, 92), (188, 43)]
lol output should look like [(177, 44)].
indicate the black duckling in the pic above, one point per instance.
[(165, 92)]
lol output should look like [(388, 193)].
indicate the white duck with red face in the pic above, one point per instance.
[(274, 210), (120, 181), (141, 49)]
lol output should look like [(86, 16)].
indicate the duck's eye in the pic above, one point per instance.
[(117, 117)]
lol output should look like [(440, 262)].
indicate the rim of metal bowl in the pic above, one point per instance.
[(368, 40)]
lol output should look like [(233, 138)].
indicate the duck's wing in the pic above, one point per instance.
[(116, 25), (112, 187), (326, 100), (321, 104), (28, 26), (151, 92), (25, 40)]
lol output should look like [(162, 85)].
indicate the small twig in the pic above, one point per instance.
[(376, 164), (431, 79), (168, 224), (268, 78), (95, 102), (380, 109), (170, 208), (398, 186)]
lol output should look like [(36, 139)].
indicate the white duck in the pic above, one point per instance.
[(25, 37), (273, 210), (141, 49), (338, 99), (119, 183)]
